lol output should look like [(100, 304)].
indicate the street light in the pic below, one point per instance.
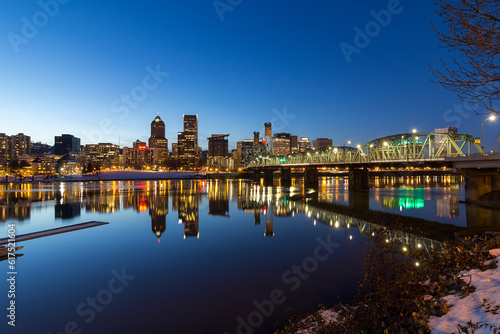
[(492, 117)]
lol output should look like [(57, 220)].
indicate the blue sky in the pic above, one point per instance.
[(260, 61)]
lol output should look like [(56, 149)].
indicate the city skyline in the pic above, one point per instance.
[(325, 77)]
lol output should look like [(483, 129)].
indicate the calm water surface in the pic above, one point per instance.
[(195, 256)]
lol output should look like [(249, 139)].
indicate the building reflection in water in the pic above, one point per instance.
[(186, 197), (16, 200), (218, 198), (158, 198), (71, 200)]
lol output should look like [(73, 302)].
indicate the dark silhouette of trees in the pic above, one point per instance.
[(473, 29)]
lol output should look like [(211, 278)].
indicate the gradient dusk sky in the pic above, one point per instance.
[(235, 63)]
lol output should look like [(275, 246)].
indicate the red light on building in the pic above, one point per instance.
[(142, 147), (263, 141)]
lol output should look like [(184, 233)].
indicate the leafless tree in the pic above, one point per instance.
[(473, 29)]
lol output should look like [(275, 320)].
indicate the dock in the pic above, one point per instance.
[(54, 231)]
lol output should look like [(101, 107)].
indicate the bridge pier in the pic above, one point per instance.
[(268, 176), (480, 182), (256, 175), (311, 177), (359, 179), (286, 176)]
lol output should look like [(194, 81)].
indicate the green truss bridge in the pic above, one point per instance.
[(390, 150), (458, 151)]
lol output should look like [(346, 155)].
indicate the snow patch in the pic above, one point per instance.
[(483, 305)]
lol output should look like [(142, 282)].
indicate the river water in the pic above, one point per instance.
[(200, 256)]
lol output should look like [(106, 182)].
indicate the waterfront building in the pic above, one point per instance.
[(66, 143), (218, 152), (139, 156), (19, 144), (102, 155)]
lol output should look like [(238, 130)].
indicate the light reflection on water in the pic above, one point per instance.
[(202, 251)]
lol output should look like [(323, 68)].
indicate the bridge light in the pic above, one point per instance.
[(359, 146), (414, 130), (385, 143), (348, 142), (371, 145)]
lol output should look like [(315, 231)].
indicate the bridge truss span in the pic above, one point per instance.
[(394, 149)]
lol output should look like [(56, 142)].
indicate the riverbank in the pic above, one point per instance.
[(454, 291), (125, 175), (491, 200)]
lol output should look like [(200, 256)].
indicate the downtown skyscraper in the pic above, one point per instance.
[(187, 140), (158, 142)]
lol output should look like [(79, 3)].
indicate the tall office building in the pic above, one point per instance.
[(218, 146), (304, 144), (191, 125), (256, 138), (66, 143), (158, 141), (294, 144), (187, 142), (218, 152), (175, 150), (282, 144), (186, 150), (158, 127), (268, 130)]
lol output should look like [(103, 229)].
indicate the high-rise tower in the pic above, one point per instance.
[(188, 142), (158, 141)]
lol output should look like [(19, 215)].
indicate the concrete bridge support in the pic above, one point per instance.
[(268, 174), (359, 179), (256, 175), (480, 182), (286, 176), (311, 177)]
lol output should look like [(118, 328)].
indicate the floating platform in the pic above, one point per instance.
[(54, 231)]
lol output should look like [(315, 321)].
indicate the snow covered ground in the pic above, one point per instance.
[(483, 305)]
